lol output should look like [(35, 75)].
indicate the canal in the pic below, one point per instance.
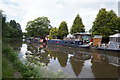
[(76, 62)]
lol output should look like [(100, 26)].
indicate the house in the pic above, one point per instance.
[(97, 39), (115, 38)]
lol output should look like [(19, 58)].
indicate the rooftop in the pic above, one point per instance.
[(115, 35)]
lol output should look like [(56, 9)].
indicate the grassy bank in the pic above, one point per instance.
[(7, 68)]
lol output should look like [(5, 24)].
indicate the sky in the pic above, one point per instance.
[(56, 10)]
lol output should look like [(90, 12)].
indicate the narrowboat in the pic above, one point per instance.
[(113, 45), (36, 40), (70, 43)]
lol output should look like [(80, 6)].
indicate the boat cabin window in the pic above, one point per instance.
[(80, 43), (72, 42), (66, 42)]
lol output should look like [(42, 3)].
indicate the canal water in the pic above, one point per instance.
[(76, 62)]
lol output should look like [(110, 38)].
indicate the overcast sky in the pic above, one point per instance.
[(56, 10)]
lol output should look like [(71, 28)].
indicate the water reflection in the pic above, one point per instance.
[(76, 65), (102, 67), (37, 54), (76, 60), (62, 59), (81, 64)]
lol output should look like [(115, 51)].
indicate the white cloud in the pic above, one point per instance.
[(56, 10)]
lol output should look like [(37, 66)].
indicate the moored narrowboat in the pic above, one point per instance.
[(36, 40), (70, 43)]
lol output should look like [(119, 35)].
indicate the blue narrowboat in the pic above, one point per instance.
[(70, 43)]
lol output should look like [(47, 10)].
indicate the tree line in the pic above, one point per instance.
[(41, 27), (106, 23), (10, 29)]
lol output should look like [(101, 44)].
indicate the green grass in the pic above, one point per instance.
[(7, 70)]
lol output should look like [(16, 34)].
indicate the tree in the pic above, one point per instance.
[(13, 23), (77, 25), (39, 27), (53, 32), (10, 29), (90, 30), (17, 32), (62, 30), (118, 25), (105, 23)]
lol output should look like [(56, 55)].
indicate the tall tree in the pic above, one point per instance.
[(17, 32), (13, 23), (40, 27), (118, 25), (53, 32), (62, 30), (10, 29), (105, 23), (77, 25)]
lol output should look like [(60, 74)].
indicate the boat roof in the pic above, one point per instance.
[(97, 36), (115, 35), (56, 39), (82, 33)]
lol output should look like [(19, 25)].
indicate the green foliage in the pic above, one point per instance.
[(53, 32), (39, 27), (7, 70), (62, 30), (10, 30), (106, 23), (12, 55), (77, 25), (90, 30), (118, 25)]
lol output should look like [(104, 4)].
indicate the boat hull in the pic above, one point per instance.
[(106, 49)]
